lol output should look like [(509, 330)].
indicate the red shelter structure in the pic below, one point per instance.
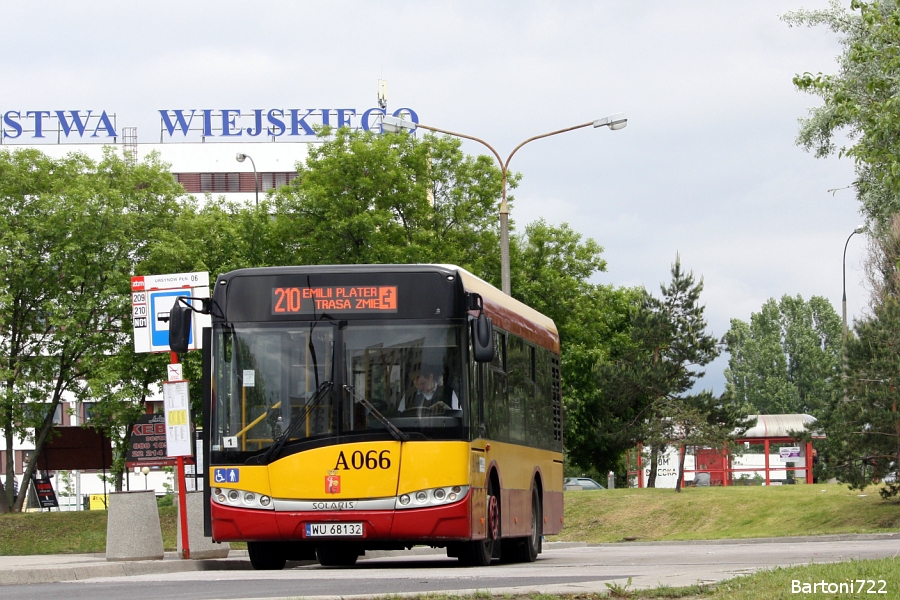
[(770, 455)]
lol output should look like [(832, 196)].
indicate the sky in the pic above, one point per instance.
[(707, 168)]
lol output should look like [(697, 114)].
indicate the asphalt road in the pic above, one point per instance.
[(563, 570)]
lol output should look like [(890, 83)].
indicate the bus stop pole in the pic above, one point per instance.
[(182, 497)]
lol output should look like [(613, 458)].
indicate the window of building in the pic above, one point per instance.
[(224, 183)]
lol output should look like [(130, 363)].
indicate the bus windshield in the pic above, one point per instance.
[(331, 381)]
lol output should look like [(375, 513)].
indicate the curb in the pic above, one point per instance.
[(117, 569), (840, 537)]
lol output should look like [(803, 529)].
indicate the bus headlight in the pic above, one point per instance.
[(432, 497), (242, 499)]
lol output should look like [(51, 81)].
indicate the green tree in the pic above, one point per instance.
[(673, 329), (860, 99), (863, 425), (657, 356), (392, 198), (863, 443), (551, 271), (787, 359), (71, 231)]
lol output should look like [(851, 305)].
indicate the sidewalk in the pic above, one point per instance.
[(54, 568)]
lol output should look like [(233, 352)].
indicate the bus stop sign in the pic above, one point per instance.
[(152, 297)]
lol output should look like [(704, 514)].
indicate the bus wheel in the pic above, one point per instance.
[(480, 553), (532, 546), (336, 556), (266, 556)]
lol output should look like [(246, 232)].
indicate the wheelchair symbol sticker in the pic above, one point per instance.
[(227, 475)]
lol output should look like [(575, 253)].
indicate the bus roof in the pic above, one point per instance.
[(515, 316), (507, 312)]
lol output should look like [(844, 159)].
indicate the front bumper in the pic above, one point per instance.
[(417, 525)]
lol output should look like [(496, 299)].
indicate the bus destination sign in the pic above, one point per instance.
[(342, 299)]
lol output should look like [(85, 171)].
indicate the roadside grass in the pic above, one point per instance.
[(67, 532), (725, 512), (593, 517), (776, 584)]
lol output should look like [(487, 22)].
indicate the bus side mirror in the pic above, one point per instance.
[(483, 339), (179, 327)]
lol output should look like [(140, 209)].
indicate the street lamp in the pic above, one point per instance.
[(145, 471), (240, 158), (859, 229), (396, 124)]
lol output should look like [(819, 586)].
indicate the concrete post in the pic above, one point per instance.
[(201, 547), (132, 528)]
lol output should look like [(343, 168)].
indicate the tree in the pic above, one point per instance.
[(552, 266), (391, 198), (693, 420), (863, 443), (659, 350), (674, 328), (787, 359), (71, 231), (860, 99), (863, 425)]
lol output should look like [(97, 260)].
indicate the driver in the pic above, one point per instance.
[(431, 395)]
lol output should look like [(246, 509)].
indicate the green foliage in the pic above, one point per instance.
[(642, 376), (863, 423), (672, 331), (860, 99), (551, 271), (863, 442), (393, 198), (787, 359), (71, 232)]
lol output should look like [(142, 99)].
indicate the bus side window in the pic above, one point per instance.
[(495, 392), (520, 389)]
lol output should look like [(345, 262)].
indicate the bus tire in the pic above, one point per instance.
[(532, 546), (336, 556), (266, 556), (479, 553)]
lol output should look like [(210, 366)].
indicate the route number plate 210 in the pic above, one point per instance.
[(334, 529)]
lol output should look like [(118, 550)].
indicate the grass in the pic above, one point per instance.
[(776, 584), (724, 512), (67, 532), (594, 517)]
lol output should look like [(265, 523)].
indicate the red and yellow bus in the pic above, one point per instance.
[(363, 407)]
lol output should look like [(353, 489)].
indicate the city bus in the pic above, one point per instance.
[(377, 407)]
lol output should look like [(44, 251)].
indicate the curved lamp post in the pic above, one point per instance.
[(859, 229), (240, 158), (395, 124)]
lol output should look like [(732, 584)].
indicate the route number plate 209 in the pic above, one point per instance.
[(334, 529)]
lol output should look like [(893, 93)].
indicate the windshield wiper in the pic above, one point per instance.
[(399, 435), (279, 442)]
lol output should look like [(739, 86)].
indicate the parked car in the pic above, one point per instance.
[(581, 483)]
